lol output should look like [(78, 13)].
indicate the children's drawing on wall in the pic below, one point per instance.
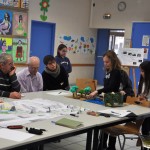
[(5, 45), (5, 22), (78, 44), (19, 52), (44, 4), (20, 24), (24, 3), (6, 2), (16, 3)]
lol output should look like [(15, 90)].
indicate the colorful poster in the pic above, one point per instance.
[(16, 3), (20, 23), (19, 52), (6, 2), (24, 3), (5, 45), (78, 44), (5, 22)]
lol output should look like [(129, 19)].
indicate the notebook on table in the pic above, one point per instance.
[(69, 123)]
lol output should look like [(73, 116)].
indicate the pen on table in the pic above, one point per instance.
[(53, 122), (59, 92), (42, 129), (115, 112), (74, 115)]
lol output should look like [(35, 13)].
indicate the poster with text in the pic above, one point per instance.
[(5, 45), (19, 52), (145, 40), (78, 44), (131, 56)]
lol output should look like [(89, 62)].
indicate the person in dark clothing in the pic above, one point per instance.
[(144, 93), (126, 86), (61, 58), (54, 75), (9, 85), (112, 82)]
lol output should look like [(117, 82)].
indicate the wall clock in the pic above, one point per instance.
[(121, 6)]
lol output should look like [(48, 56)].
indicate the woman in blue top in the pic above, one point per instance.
[(62, 60)]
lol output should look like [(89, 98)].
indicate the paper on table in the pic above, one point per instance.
[(7, 117), (116, 112), (14, 122), (57, 93), (13, 135)]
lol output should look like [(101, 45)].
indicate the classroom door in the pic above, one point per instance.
[(139, 29), (101, 48), (42, 40)]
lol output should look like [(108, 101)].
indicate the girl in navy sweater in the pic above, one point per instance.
[(61, 58)]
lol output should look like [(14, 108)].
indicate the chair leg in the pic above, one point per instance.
[(123, 144), (119, 141), (101, 136)]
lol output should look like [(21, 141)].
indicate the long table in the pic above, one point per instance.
[(55, 132)]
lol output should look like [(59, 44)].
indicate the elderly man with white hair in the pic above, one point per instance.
[(29, 78)]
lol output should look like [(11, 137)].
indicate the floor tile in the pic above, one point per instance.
[(74, 147)]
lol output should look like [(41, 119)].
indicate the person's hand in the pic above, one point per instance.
[(122, 92), (1, 101), (142, 97), (91, 95), (12, 71), (15, 95)]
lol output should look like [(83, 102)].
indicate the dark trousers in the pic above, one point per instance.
[(146, 128), (103, 140)]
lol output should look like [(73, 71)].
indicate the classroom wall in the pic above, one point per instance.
[(71, 17), (136, 10)]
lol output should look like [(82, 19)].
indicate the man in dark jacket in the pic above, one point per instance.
[(9, 85)]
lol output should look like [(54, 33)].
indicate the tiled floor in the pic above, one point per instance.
[(79, 143)]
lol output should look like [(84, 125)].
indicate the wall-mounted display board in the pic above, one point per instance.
[(14, 29)]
